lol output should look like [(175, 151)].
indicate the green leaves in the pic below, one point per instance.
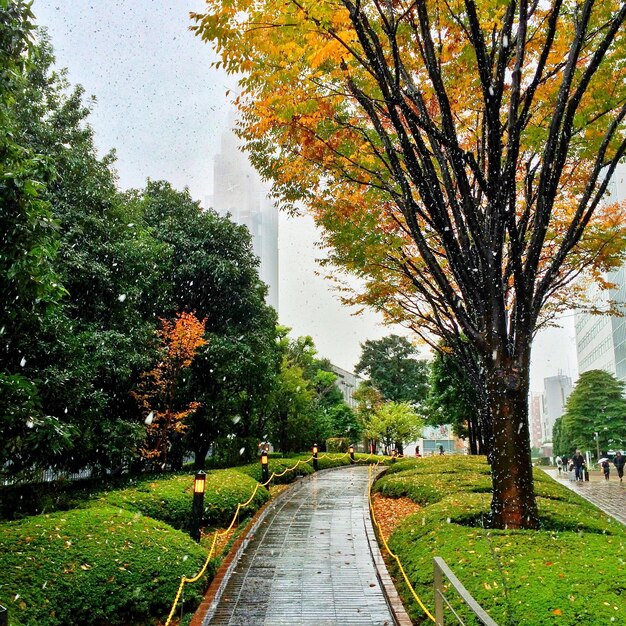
[(596, 405)]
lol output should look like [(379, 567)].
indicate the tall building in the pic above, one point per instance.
[(536, 420), (601, 339), (556, 390), (239, 191), (347, 382)]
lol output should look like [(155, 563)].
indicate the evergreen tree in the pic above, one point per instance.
[(596, 405)]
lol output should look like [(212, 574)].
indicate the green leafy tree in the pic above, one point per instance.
[(393, 366), (89, 349), (596, 405), (394, 423), (368, 400), (559, 444), (211, 270), (453, 399)]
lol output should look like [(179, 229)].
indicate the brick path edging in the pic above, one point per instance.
[(396, 607)]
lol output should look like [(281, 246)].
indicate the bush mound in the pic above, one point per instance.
[(170, 499), (94, 566), (565, 574)]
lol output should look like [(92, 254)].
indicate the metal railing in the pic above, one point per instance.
[(442, 570)]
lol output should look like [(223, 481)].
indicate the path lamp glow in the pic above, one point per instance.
[(198, 505), (315, 465), (351, 454), (265, 472)]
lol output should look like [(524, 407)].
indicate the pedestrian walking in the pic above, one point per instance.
[(559, 464), (606, 468), (579, 465), (619, 461)]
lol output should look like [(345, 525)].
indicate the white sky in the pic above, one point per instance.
[(162, 108)]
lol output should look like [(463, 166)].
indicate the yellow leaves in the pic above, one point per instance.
[(334, 49), (557, 612)]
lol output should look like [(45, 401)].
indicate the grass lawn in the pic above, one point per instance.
[(569, 573)]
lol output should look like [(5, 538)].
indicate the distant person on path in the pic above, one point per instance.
[(559, 464), (606, 468), (440, 449), (417, 451), (579, 465), (619, 461)]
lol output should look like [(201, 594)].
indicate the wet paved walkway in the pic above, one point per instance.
[(309, 562), (609, 496)]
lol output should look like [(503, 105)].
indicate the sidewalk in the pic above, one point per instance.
[(609, 496), (310, 562)]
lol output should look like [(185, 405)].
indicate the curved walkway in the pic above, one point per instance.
[(608, 496), (310, 561)]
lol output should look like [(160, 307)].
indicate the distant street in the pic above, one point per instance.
[(609, 496)]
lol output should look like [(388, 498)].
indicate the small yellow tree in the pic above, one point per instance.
[(157, 392)]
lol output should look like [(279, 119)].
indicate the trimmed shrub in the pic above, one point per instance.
[(278, 466), (94, 566), (337, 444), (170, 499)]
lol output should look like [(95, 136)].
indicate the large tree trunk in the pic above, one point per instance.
[(513, 504), (201, 449)]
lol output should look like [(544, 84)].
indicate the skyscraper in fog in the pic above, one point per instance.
[(601, 339), (239, 190), (556, 390)]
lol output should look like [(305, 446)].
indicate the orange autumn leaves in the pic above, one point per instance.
[(157, 393), (302, 64)]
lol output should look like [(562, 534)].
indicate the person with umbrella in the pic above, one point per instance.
[(606, 467)]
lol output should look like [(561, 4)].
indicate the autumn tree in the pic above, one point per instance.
[(158, 391), (456, 155)]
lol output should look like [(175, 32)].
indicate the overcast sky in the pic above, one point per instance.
[(163, 109)]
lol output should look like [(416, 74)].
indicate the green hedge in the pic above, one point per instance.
[(566, 574), (94, 566), (170, 499)]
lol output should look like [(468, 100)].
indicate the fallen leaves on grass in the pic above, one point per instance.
[(389, 512)]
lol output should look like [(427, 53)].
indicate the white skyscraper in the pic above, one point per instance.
[(239, 190), (601, 339)]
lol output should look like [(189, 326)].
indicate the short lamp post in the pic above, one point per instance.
[(351, 454), (315, 464), (265, 471), (198, 505)]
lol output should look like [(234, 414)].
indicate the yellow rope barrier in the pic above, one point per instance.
[(184, 580), (382, 537)]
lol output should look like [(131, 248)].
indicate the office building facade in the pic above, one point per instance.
[(601, 339)]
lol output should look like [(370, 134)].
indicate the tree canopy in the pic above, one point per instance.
[(596, 405), (456, 155), (393, 367)]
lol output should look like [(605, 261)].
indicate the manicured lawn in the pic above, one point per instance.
[(569, 573)]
